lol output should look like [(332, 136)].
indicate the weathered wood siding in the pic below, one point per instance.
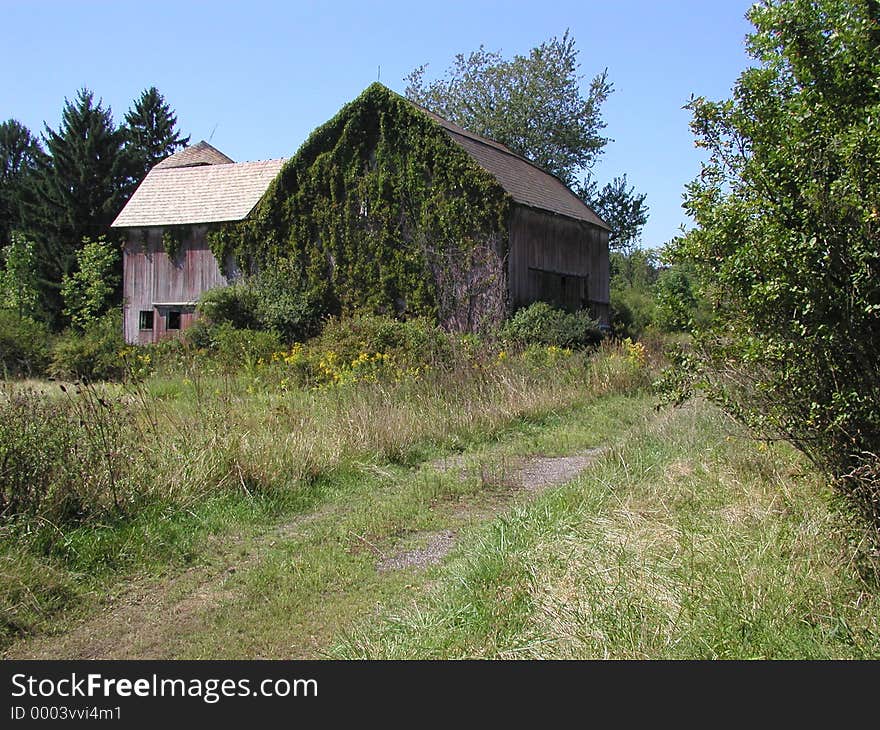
[(558, 260), (152, 281)]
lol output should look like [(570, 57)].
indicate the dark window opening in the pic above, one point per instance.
[(173, 320), (145, 321)]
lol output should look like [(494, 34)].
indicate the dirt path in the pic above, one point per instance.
[(152, 619), (531, 476)]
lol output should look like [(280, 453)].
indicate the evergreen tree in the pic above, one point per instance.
[(78, 189), (151, 132), (19, 153), (621, 208)]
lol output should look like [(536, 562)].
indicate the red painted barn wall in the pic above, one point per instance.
[(151, 278)]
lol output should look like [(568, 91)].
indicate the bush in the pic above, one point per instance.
[(413, 342), (541, 324), (632, 311), (284, 304), (24, 345), (234, 305), (273, 299), (235, 348), (785, 247), (93, 354)]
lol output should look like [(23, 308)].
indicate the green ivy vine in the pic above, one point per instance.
[(173, 238), (369, 206)]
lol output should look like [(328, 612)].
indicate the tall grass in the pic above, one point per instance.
[(100, 480), (689, 540)]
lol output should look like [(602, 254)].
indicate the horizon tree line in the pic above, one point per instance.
[(62, 189)]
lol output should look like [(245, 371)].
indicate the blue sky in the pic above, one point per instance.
[(259, 76)]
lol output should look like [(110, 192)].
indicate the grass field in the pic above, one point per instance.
[(429, 518)]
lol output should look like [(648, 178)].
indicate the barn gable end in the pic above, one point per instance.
[(167, 263), (386, 207), (389, 207)]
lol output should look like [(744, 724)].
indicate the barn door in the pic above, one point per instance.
[(566, 291)]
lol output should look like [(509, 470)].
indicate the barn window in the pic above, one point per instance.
[(145, 321), (173, 320)]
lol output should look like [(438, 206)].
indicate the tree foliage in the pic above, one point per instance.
[(78, 190), (151, 132), (532, 103), (620, 207), (19, 285), (275, 298), (787, 243), (19, 154), (72, 186), (87, 292)]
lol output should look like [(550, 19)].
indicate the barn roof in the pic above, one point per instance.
[(524, 181), (200, 184), (197, 191), (200, 153)]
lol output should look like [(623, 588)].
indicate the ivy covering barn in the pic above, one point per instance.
[(386, 207)]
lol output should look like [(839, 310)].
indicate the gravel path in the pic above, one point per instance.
[(531, 475)]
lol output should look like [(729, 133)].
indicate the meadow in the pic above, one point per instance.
[(411, 495)]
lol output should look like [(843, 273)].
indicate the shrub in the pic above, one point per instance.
[(284, 304), (542, 324), (785, 247), (93, 354), (632, 311), (197, 336), (273, 299), (24, 345), (234, 305), (235, 347), (679, 305), (413, 342)]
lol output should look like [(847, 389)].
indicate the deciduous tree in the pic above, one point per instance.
[(19, 290), (87, 292), (532, 103), (787, 242)]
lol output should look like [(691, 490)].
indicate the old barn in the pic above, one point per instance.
[(386, 206), (167, 263)]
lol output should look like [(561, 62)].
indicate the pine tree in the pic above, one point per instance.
[(78, 189), (151, 134), (621, 208), (19, 153)]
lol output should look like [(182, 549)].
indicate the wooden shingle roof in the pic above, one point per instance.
[(197, 193), (524, 181), (198, 154)]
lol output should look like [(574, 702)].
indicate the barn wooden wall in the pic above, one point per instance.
[(558, 260), (551, 258), (150, 277)]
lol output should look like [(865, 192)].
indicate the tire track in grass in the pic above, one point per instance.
[(178, 616)]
